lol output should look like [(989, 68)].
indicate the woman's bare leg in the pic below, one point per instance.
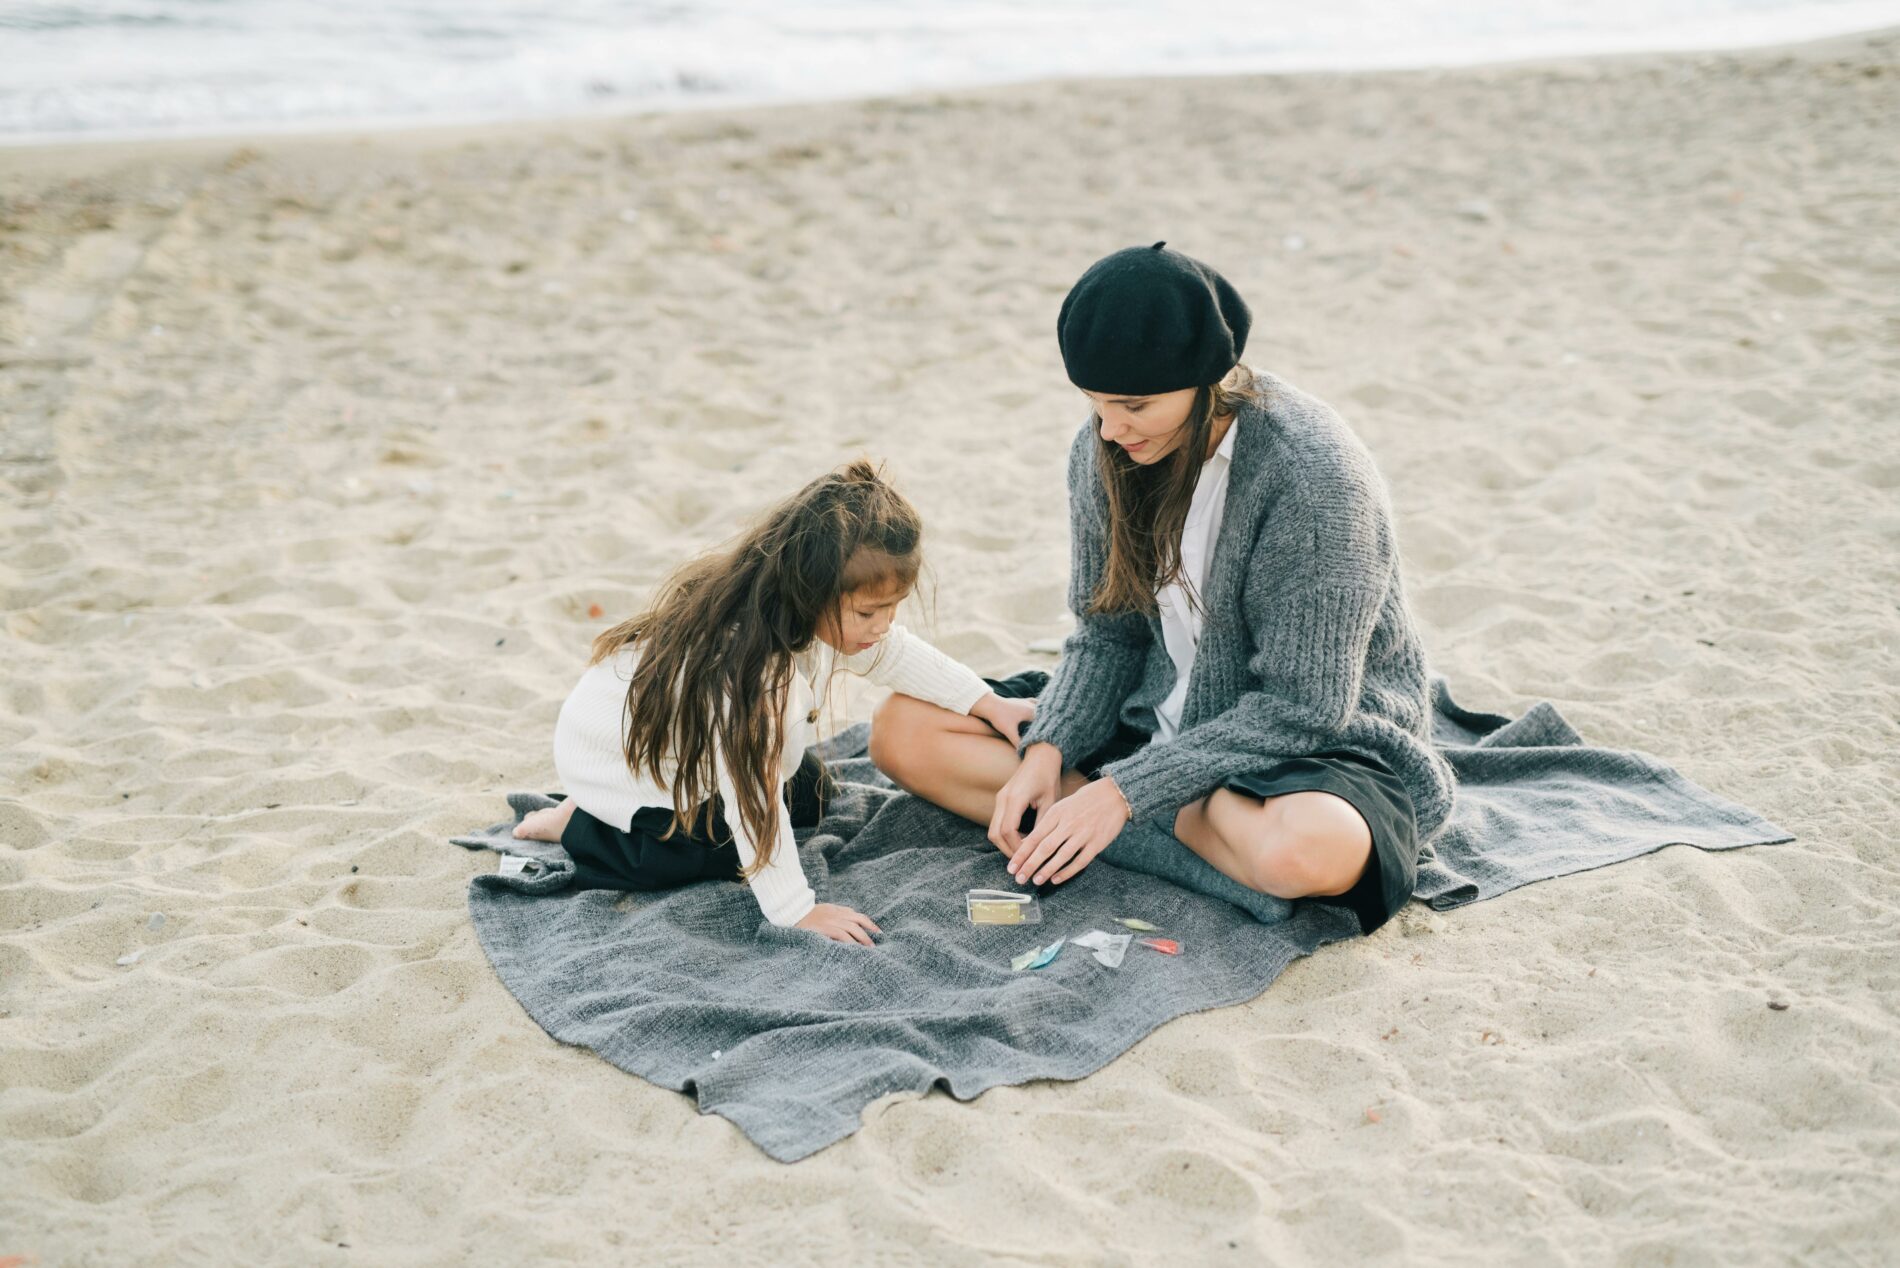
[(1298, 845), (946, 758)]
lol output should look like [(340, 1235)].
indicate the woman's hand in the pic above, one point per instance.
[(1037, 783), (840, 924), (1071, 833), (1007, 714)]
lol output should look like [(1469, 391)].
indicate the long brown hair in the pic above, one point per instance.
[(718, 638), (1148, 505)]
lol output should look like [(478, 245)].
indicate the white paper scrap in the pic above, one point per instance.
[(1108, 948)]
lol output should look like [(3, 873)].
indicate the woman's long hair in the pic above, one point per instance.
[(1148, 505), (717, 640)]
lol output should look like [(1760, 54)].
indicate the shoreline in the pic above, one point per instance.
[(55, 149)]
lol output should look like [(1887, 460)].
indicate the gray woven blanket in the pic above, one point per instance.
[(790, 1036)]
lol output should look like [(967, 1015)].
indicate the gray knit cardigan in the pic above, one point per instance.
[(1308, 646)]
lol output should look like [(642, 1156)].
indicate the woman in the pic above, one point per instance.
[(1243, 704)]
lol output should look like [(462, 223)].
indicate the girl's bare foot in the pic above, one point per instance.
[(545, 825)]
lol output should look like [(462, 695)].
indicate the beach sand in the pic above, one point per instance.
[(318, 455)]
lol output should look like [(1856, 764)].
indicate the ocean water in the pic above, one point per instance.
[(116, 68)]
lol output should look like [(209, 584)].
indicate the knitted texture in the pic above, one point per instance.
[(791, 1036), (1308, 647)]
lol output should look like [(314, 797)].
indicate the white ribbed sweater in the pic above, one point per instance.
[(590, 756)]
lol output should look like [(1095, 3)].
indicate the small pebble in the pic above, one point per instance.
[(1777, 1005), (130, 957)]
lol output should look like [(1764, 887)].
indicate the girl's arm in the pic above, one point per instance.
[(903, 662), (1102, 659), (780, 886)]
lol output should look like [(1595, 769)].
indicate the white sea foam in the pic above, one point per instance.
[(142, 67)]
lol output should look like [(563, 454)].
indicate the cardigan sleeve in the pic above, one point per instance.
[(903, 662), (1102, 658), (1313, 596), (783, 894)]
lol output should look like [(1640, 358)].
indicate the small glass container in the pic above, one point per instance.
[(1001, 907)]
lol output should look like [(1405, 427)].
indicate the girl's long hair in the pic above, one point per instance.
[(1148, 505), (717, 640)]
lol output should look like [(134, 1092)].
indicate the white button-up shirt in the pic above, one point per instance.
[(1182, 619)]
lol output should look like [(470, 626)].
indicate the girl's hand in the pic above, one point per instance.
[(1038, 783), (840, 924), (1071, 833), (1006, 714)]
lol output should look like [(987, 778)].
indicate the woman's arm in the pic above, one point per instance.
[(1102, 659), (1314, 591), (1313, 605)]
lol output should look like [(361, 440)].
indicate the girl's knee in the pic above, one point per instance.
[(898, 727)]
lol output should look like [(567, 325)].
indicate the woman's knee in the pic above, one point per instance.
[(1306, 844)]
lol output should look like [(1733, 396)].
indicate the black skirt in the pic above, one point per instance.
[(1363, 781), (647, 857)]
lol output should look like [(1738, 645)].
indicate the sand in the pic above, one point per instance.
[(316, 454)]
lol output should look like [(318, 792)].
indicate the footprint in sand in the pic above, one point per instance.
[(1187, 1183), (1794, 282)]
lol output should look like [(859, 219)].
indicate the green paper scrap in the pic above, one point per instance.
[(1139, 926)]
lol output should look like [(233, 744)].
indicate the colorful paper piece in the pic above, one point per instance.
[(1037, 957), (1139, 926), (1166, 946), (1109, 948)]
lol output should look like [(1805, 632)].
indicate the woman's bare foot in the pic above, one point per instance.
[(545, 825)]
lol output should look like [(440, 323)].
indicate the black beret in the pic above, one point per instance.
[(1148, 320)]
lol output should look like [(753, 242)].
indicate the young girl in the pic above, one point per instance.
[(683, 747), (1245, 679)]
